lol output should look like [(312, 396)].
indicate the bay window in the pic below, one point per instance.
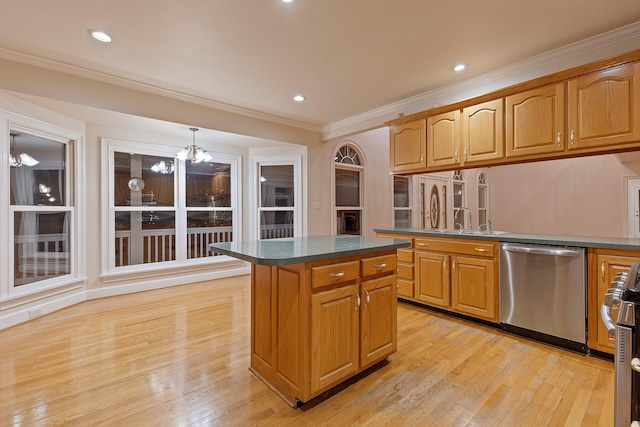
[(165, 212)]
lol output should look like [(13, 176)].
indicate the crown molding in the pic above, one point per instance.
[(602, 46), (63, 67)]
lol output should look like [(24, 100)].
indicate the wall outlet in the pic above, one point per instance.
[(35, 312)]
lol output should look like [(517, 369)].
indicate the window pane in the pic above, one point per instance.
[(400, 192), (205, 227), (43, 182), (144, 237), (402, 218), (276, 224), (347, 187), (348, 222), (208, 184), (276, 186), (482, 197), (141, 180), (41, 246)]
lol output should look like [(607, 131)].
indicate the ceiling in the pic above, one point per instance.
[(347, 57)]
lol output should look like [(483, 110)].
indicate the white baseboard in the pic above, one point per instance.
[(33, 311), (159, 283)]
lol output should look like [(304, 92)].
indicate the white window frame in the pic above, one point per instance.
[(298, 201), (109, 147), (74, 191), (345, 166)]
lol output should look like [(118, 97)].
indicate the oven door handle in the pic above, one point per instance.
[(540, 250), (605, 315)]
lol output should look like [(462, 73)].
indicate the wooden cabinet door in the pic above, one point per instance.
[(443, 139), (482, 132), (432, 283), (473, 287), (607, 268), (535, 121), (334, 336), (604, 108), (378, 320), (408, 146)]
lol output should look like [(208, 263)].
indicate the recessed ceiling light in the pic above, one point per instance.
[(298, 98), (459, 67), (287, 1), (100, 36)]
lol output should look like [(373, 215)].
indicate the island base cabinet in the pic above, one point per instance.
[(316, 324), (378, 326), (334, 336)]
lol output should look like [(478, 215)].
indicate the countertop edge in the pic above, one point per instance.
[(278, 261), (543, 239)]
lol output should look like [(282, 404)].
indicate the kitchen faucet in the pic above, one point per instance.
[(463, 208)]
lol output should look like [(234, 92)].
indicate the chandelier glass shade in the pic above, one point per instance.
[(19, 158), (163, 167), (194, 153)]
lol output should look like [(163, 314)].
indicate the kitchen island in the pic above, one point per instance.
[(323, 309)]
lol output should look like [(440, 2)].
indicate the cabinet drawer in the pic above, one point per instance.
[(405, 255), (405, 271), (379, 265), (405, 288), (469, 247), (335, 273)]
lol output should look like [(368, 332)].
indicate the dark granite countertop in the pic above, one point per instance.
[(305, 249), (542, 239)]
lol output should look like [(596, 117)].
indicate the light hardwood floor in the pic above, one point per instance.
[(180, 356)]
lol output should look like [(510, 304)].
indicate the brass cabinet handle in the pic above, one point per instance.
[(602, 267), (423, 244), (482, 250), (368, 300), (453, 265), (421, 160), (456, 155), (444, 264), (466, 151), (559, 139), (337, 275), (573, 137), (379, 266), (357, 301)]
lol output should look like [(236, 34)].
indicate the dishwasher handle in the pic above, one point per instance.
[(540, 250)]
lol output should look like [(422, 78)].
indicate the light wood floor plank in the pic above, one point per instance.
[(180, 357)]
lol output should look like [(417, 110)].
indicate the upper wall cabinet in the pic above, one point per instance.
[(482, 132), (471, 136), (443, 139), (535, 122), (604, 108), (408, 146)]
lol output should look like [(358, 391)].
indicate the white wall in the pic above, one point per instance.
[(583, 196)]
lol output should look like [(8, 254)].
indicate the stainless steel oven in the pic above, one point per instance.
[(624, 294)]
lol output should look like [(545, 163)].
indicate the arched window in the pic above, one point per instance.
[(459, 220), (348, 174), (483, 200)]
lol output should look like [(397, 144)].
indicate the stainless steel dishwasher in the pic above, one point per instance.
[(543, 293)]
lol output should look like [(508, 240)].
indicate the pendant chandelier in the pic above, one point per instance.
[(194, 153), (163, 167), (17, 158)]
